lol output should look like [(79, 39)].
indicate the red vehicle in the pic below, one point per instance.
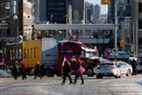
[(2, 60), (70, 49)]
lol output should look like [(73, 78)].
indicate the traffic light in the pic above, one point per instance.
[(105, 2), (122, 43), (122, 40)]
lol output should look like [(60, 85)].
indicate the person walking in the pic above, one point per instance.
[(79, 70), (37, 70), (134, 63), (23, 70), (14, 71), (66, 71)]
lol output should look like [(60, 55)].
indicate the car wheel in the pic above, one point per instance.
[(99, 76), (117, 77), (90, 73), (129, 73)]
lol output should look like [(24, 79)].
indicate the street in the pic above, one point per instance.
[(52, 86)]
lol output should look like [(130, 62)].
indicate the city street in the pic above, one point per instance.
[(52, 86)]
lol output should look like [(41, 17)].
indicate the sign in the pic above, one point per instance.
[(105, 2)]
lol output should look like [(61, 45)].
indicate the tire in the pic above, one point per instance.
[(99, 76), (129, 73), (90, 73), (117, 76)]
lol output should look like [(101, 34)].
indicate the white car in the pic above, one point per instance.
[(116, 69), (5, 74)]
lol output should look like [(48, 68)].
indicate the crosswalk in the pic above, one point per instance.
[(52, 86)]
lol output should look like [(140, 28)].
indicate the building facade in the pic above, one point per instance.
[(124, 10), (137, 16), (10, 20), (27, 19), (56, 11), (78, 11), (96, 13), (93, 13)]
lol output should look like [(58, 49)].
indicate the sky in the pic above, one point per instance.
[(103, 7)]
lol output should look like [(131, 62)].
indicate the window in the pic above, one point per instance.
[(140, 23), (140, 7)]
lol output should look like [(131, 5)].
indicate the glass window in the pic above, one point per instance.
[(140, 7), (140, 23)]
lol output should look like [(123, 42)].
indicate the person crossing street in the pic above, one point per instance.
[(66, 71)]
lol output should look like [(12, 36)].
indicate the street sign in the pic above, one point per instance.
[(105, 2)]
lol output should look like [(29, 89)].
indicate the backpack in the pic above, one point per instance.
[(81, 70)]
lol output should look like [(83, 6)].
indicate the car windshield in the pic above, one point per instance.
[(106, 65)]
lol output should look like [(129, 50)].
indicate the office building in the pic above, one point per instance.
[(27, 19)]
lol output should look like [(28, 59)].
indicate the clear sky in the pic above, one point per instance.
[(103, 7)]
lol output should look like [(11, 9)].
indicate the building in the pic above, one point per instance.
[(56, 11), (124, 16), (92, 12), (27, 19), (96, 13), (137, 17), (10, 21), (124, 10), (36, 10), (78, 11)]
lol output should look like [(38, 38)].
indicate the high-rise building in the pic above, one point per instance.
[(10, 20), (27, 19), (56, 11), (77, 11), (96, 13), (124, 8), (93, 13), (88, 12), (42, 11), (137, 17)]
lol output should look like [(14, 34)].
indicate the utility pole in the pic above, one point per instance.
[(69, 33), (116, 28)]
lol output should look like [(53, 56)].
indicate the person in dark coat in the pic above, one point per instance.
[(66, 71), (14, 71), (134, 64), (37, 71), (23, 71)]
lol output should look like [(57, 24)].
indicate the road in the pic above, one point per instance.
[(52, 86)]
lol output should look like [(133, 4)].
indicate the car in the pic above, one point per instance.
[(5, 74), (139, 65), (116, 69)]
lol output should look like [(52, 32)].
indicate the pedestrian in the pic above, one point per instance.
[(134, 64), (36, 70), (79, 70), (14, 71), (66, 71), (42, 71), (23, 70)]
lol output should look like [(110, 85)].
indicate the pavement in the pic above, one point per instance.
[(52, 86)]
